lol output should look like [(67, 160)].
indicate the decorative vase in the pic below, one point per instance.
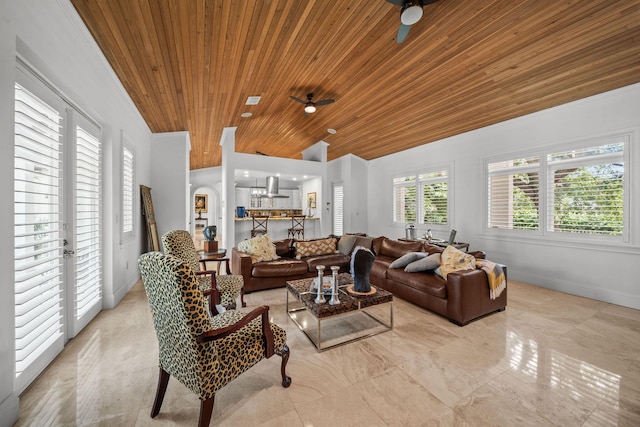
[(210, 233)]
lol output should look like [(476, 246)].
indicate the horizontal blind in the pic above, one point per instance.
[(88, 267), (37, 228), (586, 190), (127, 192), (514, 194), (338, 210)]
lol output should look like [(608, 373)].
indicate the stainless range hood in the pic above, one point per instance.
[(272, 189)]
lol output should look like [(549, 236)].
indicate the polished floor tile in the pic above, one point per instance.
[(549, 359)]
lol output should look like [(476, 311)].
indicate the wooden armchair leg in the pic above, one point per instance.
[(244, 304), (163, 380), (284, 353), (206, 409)]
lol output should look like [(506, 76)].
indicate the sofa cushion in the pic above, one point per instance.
[(278, 268), (428, 263), (284, 247), (426, 282), (396, 248), (306, 248), (260, 248), (407, 259), (340, 260), (346, 243), (453, 259)]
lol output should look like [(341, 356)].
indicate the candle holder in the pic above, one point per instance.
[(320, 297), (334, 285)]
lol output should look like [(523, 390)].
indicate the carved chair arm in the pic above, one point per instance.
[(267, 333), (212, 294)]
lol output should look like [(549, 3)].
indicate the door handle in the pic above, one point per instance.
[(67, 253)]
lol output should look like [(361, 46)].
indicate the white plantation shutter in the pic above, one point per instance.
[(87, 218), (128, 174), (514, 193), (586, 189), (338, 209), (404, 199), (435, 197), (38, 268)]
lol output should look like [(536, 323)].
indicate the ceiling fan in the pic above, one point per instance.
[(309, 105), (410, 13)]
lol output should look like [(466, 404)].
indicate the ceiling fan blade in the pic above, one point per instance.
[(403, 30), (297, 99), (325, 101), (396, 2)]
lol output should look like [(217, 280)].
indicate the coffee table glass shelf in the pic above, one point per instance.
[(326, 325)]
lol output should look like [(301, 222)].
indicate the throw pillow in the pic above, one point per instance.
[(427, 263), (453, 259), (315, 247), (407, 259), (346, 243), (363, 241), (260, 248)]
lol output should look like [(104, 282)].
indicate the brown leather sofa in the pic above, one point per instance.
[(275, 274), (462, 297)]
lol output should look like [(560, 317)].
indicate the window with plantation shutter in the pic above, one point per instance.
[(338, 209), (571, 189), (128, 174), (422, 198), (586, 189), (38, 265)]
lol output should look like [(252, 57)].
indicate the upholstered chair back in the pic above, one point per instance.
[(179, 315), (179, 243)]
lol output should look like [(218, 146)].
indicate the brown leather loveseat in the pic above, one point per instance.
[(275, 274)]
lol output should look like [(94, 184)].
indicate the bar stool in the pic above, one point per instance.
[(297, 226), (259, 225)]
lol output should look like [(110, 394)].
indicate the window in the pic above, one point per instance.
[(578, 189), (128, 187), (428, 205), (338, 209)]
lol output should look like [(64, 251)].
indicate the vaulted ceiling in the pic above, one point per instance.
[(192, 64)]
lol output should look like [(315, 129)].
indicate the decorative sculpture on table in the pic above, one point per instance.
[(320, 289), (210, 243), (361, 263), (334, 285)]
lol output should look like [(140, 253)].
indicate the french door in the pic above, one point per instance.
[(57, 224)]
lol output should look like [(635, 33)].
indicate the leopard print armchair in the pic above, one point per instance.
[(204, 353), (179, 243)]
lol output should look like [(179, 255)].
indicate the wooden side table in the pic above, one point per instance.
[(217, 256)]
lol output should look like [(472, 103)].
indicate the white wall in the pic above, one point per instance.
[(351, 170), (50, 35), (594, 270), (170, 181)]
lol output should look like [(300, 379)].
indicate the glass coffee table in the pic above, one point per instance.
[(356, 317)]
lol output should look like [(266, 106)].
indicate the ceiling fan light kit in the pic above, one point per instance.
[(310, 108), (411, 13)]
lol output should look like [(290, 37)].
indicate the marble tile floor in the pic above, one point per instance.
[(550, 359)]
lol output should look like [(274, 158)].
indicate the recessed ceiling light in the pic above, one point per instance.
[(279, 175), (305, 177), (252, 100), (331, 131), (295, 179), (247, 114)]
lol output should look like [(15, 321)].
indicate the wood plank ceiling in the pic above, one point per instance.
[(191, 64)]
